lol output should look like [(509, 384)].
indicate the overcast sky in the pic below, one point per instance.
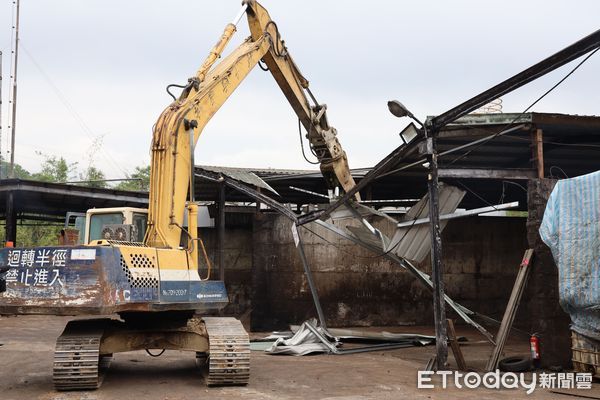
[(95, 71)]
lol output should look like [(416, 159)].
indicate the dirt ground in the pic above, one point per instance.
[(27, 344)]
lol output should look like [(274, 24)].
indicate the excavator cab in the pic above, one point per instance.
[(124, 224)]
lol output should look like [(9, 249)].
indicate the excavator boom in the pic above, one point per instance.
[(155, 286), (180, 125)]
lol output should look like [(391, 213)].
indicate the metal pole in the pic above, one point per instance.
[(309, 277), (439, 310), (221, 234), (11, 219), (1, 158), (14, 98)]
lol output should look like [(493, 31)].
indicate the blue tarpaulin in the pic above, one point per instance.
[(571, 228)]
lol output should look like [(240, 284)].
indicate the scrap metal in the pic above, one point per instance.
[(462, 311), (465, 313), (310, 338)]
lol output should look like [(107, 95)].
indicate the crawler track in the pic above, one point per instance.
[(78, 364), (229, 352), (77, 361)]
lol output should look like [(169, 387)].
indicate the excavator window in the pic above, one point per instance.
[(98, 221), (80, 226), (140, 221)]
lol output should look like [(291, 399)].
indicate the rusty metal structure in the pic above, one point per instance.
[(427, 146)]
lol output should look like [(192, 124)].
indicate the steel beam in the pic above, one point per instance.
[(249, 191), (483, 173), (382, 166), (439, 306), (309, 277), (549, 64), (545, 66), (88, 193), (257, 196), (221, 233), (461, 214), (11, 219)]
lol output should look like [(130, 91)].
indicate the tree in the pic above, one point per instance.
[(39, 233), (93, 177), (55, 169), (32, 233), (140, 180), (20, 172)]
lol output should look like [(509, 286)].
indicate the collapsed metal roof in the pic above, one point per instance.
[(239, 174), (571, 147), (492, 172), (497, 170)]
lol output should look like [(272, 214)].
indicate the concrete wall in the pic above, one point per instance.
[(238, 262), (266, 281), (357, 288), (543, 312)]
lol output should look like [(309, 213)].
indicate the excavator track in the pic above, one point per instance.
[(229, 352), (77, 361)]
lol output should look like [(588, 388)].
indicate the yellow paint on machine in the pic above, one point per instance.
[(150, 257)]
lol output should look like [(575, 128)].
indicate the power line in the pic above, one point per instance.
[(545, 141), (527, 109), (63, 99)]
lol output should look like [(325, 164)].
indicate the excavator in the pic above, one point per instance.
[(153, 287)]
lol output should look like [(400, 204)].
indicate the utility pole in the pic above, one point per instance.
[(14, 97), (0, 114)]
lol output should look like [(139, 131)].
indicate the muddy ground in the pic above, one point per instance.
[(28, 341)]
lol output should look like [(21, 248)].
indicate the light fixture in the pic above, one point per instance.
[(409, 133), (398, 110)]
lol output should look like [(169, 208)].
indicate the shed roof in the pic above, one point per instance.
[(571, 148)]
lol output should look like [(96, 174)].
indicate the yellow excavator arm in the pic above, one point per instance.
[(179, 126)]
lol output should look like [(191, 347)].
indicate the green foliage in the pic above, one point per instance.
[(58, 169), (20, 172), (55, 169), (141, 182), (93, 177), (40, 233), (37, 233)]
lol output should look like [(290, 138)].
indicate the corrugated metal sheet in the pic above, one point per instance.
[(366, 236), (414, 242), (240, 174)]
